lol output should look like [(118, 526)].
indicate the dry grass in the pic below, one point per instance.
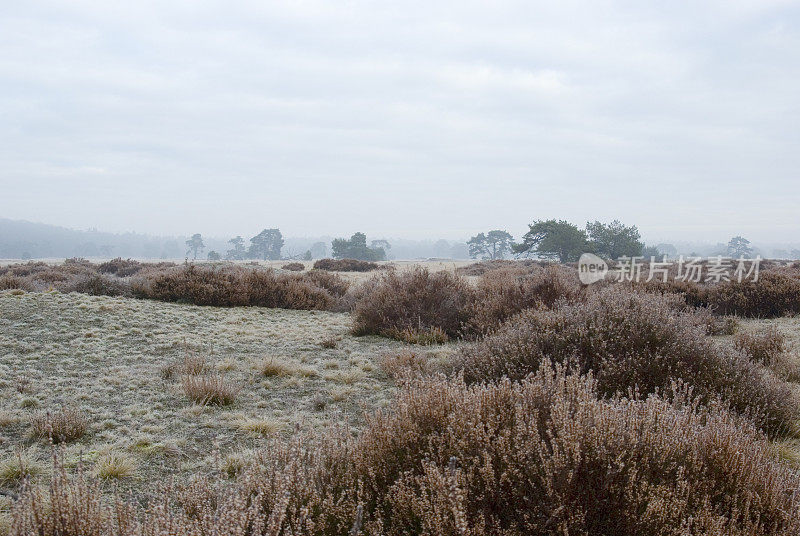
[(113, 465), (261, 426), (276, 367), (7, 419), (59, 426), (210, 389), (16, 467), (423, 337), (115, 376)]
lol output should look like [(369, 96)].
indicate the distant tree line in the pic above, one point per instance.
[(563, 241), (553, 239), (267, 245)]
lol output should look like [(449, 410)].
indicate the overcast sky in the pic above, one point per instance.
[(403, 119)]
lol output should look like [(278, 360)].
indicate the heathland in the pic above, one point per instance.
[(492, 398)]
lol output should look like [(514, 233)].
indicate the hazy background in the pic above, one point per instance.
[(416, 119)]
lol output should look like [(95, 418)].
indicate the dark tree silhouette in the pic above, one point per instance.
[(267, 245), (492, 245), (195, 244), (553, 239)]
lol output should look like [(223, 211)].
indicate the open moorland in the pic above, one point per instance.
[(407, 398)]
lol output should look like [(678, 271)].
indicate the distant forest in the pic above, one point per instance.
[(26, 240)]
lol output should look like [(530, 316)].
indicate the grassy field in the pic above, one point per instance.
[(118, 360)]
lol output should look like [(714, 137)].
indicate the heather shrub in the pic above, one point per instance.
[(120, 267), (267, 289), (775, 294), (545, 456), (294, 267), (345, 265), (400, 365), (50, 277), (711, 323), (26, 269), (98, 285), (502, 293), (71, 507), (765, 347), (9, 281), (333, 283), (416, 300), (483, 267), (237, 286), (541, 456), (631, 340)]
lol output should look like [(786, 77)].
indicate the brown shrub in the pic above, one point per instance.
[(484, 267), (51, 276), (9, 281), (120, 267), (28, 268), (711, 323), (775, 294), (502, 293), (543, 456), (333, 283), (294, 267), (98, 285), (230, 285), (415, 300), (62, 426), (345, 265), (631, 340), (765, 347)]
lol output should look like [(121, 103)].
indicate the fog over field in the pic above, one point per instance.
[(413, 121)]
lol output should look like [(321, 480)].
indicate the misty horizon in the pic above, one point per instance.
[(27, 238), (421, 121)]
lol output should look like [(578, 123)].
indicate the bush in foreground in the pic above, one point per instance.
[(542, 456), (631, 340)]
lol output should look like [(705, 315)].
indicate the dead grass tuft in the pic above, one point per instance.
[(210, 389), (61, 426), (18, 466), (114, 465)]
